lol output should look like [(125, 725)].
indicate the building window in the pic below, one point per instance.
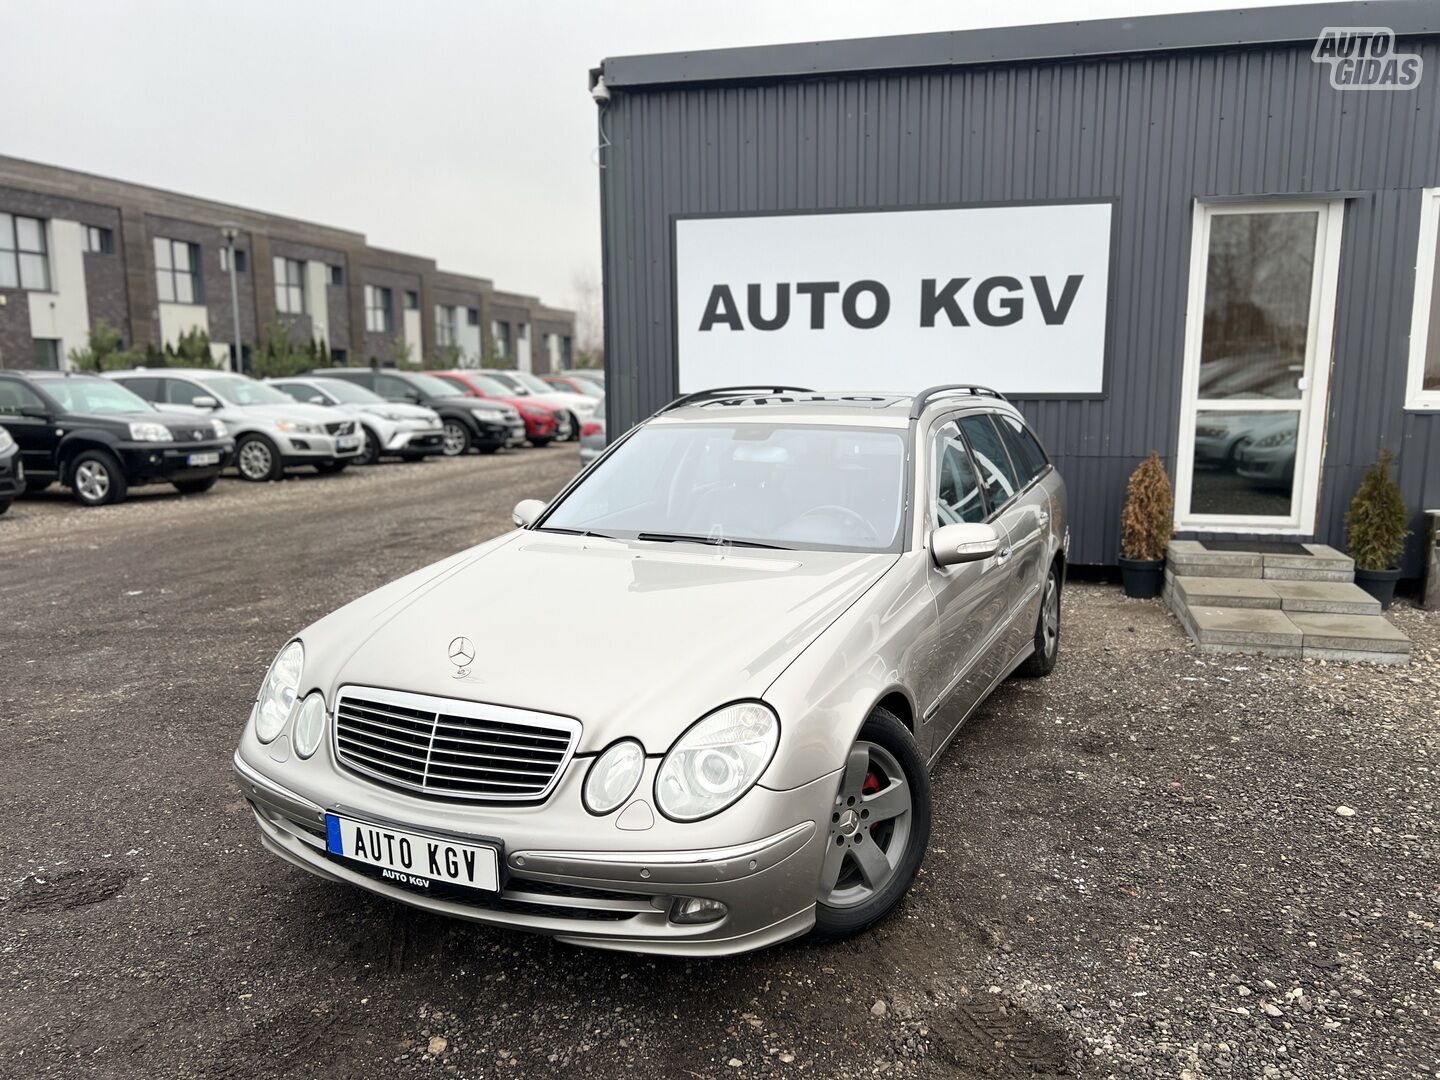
[(242, 263), (500, 332), (446, 330), (340, 357), (1422, 387), (472, 316), (177, 272), (289, 286), (24, 260), (379, 319), (412, 300), (99, 241), (567, 353), (337, 275), (47, 354)]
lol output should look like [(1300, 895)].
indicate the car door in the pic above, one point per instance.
[(394, 388), (1023, 509), (34, 434), (970, 598)]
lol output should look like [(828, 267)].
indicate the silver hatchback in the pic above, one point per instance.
[(806, 595)]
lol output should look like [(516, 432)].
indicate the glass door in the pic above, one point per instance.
[(1257, 362)]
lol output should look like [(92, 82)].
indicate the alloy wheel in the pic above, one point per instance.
[(1050, 616), (255, 460), (454, 439), (869, 827), (92, 480)]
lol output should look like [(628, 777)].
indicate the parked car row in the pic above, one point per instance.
[(102, 435)]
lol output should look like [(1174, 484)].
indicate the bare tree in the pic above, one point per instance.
[(589, 317)]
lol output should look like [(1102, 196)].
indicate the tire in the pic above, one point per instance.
[(257, 459), (413, 457), (195, 487), (370, 452), (855, 891), (542, 442), (457, 439), (574, 428), (4, 505), (96, 478), (490, 448), (34, 487), (330, 468), (1047, 630)]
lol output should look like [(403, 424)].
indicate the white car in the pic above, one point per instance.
[(580, 406), (273, 432), (389, 428)]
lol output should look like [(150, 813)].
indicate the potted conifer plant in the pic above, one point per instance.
[(1145, 526), (1375, 531)]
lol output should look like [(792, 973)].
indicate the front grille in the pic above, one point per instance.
[(341, 427), (452, 749)]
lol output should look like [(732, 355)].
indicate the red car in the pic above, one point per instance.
[(542, 426)]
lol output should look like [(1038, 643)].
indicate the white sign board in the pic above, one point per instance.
[(1012, 297)]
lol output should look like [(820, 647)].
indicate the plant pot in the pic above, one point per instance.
[(1379, 583), (1143, 578)]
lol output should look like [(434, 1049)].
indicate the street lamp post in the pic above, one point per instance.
[(231, 232)]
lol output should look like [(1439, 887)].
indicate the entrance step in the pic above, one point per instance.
[(1351, 637), (1190, 558), (1327, 597), (1225, 592), (1242, 630), (1297, 562)]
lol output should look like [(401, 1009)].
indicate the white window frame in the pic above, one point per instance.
[(290, 298), (1314, 401), (1417, 398)]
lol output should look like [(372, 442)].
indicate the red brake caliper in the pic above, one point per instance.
[(870, 786)]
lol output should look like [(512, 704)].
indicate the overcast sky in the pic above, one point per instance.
[(461, 131)]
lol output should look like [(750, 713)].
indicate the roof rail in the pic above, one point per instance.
[(725, 391), (920, 400)]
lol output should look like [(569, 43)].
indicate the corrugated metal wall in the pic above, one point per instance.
[(1154, 131)]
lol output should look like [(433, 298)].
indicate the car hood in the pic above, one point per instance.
[(396, 408), (630, 638), (297, 410)]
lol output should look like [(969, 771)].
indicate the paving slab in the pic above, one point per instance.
[(1320, 557), (1261, 628), (1350, 633), (1306, 573), (1333, 597), (1229, 592), (1211, 568)]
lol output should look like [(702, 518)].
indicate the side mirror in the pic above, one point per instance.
[(412, 396), (35, 412), (205, 401), (962, 543), (318, 399), (526, 511)]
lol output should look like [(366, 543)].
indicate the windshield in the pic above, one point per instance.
[(489, 387), (238, 390), (95, 396), (533, 383), (800, 486), (582, 386), (434, 386), (348, 392)]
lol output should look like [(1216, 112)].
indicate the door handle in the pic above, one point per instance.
[(1002, 556)]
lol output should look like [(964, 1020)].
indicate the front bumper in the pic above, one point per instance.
[(569, 874), (317, 449), (418, 440), (144, 462), (12, 475)]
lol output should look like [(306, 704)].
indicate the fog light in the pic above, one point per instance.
[(689, 910)]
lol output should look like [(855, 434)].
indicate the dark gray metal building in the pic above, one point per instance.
[(1263, 315)]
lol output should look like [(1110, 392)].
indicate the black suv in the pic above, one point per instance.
[(99, 439), (486, 425)]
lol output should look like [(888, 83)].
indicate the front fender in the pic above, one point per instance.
[(84, 438), (829, 690)]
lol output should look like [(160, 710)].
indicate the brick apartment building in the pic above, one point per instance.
[(77, 248)]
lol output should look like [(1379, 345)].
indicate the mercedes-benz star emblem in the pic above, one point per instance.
[(462, 655)]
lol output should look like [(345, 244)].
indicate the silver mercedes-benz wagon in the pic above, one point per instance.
[(803, 595)]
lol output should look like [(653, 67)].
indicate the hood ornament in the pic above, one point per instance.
[(462, 655)]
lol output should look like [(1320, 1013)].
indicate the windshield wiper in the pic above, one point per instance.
[(713, 541), (577, 532)]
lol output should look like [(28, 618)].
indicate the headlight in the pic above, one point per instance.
[(716, 761), (309, 724), (612, 779), (535, 411), (277, 692), (6, 439), (149, 431), (299, 427), (1279, 438), (219, 428), (488, 415)]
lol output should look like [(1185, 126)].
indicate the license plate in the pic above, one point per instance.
[(211, 458), (413, 859), (347, 442)]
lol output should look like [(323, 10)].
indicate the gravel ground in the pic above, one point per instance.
[(1140, 866)]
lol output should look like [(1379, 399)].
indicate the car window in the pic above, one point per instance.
[(149, 389), (1025, 453), (239, 390), (954, 489), (393, 388), (343, 390), (15, 395), (180, 392), (997, 475), (92, 397), (304, 392)]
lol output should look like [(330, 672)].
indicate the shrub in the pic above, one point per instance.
[(1145, 523), (104, 351), (1376, 523), (191, 349), (279, 355)]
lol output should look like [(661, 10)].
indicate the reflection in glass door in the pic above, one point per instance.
[(1262, 280)]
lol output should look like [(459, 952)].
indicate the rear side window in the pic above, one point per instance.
[(388, 386), (149, 389), (997, 475), (15, 395), (1025, 453), (955, 494), (179, 392)]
